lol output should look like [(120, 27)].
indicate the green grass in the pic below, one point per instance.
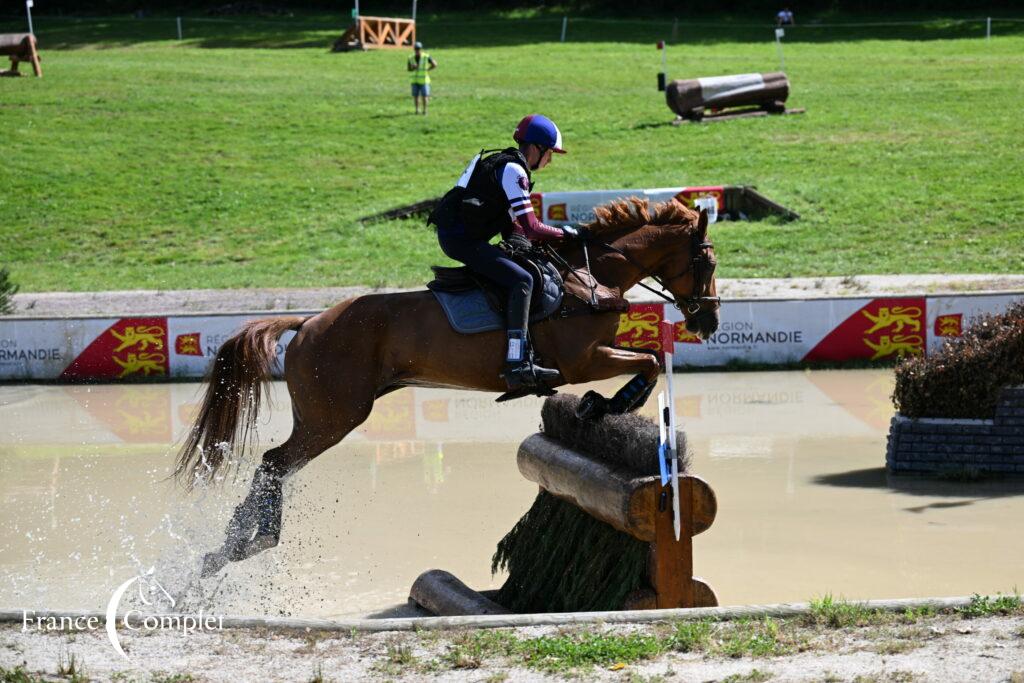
[(244, 155), (988, 606)]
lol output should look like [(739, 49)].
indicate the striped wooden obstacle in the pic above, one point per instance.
[(590, 467), (727, 97), (377, 32)]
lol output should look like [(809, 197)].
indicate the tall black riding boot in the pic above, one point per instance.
[(520, 371)]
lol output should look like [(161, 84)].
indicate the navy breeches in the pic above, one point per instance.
[(487, 260)]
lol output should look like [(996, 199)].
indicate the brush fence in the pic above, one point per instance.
[(638, 506)]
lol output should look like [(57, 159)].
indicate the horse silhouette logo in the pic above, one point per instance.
[(150, 593)]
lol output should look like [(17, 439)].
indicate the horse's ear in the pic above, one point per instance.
[(702, 224)]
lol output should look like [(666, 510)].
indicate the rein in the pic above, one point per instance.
[(691, 302), (697, 261)]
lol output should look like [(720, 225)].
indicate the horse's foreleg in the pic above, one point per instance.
[(610, 361)]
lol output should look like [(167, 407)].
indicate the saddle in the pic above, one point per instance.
[(474, 303)]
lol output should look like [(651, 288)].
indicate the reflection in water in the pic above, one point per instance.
[(796, 458)]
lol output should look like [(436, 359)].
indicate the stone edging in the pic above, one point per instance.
[(969, 447), (781, 610)]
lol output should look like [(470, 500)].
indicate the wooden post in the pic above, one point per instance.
[(671, 561), (638, 506)]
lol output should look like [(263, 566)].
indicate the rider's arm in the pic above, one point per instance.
[(517, 189)]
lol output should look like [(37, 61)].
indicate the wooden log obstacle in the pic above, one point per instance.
[(600, 534), (729, 97), (377, 32), (20, 47)]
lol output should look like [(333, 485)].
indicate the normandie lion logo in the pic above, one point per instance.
[(683, 335), (900, 344), (143, 337), (557, 212), (949, 325), (900, 316), (146, 363), (639, 329)]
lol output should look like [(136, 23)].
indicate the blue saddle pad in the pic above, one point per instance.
[(468, 312)]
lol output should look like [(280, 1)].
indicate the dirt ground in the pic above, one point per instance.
[(164, 302), (939, 648)]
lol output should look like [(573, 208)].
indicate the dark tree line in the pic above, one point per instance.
[(598, 7)]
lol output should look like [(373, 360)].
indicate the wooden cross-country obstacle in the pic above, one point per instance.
[(599, 535), (377, 32), (729, 97), (20, 47)]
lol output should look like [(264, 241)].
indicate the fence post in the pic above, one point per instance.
[(778, 43), (675, 30), (565, 25), (28, 11), (179, 28), (988, 28)]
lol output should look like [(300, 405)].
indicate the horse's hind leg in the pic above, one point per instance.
[(256, 523)]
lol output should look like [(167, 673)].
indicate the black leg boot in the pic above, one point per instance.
[(631, 396), (520, 371)]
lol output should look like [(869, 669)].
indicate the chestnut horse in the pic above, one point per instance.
[(343, 359)]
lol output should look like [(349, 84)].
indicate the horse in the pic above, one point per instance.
[(341, 360)]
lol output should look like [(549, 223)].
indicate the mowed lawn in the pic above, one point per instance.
[(244, 156)]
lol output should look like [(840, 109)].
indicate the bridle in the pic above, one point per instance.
[(701, 265)]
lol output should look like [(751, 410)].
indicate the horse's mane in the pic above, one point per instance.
[(632, 213)]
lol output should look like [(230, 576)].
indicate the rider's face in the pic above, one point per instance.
[(538, 158)]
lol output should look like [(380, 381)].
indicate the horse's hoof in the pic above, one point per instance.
[(592, 406), (258, 544), (213, 563)]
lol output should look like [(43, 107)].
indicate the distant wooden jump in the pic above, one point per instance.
[(20, 47), (377, 32)]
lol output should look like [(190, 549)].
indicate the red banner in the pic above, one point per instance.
[(882, 329), (131, 347)]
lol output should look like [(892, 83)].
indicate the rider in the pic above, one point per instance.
[(491, 197)]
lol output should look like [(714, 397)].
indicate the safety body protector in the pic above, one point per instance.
[(479, 208), (420, 72), (478, 202)]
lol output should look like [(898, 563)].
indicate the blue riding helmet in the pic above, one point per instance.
[(540, 130)]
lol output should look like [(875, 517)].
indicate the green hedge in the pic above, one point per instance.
[(7, 291), (964, 378)]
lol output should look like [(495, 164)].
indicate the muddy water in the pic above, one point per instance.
[(796, 458)]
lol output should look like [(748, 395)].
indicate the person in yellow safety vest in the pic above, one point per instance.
[(419, 64)]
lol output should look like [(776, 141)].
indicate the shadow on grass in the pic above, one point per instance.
[(461, 31), (921, 485)]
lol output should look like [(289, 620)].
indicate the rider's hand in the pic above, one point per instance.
[(576, 232)]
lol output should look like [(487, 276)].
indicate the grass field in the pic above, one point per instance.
[(245, 154)]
